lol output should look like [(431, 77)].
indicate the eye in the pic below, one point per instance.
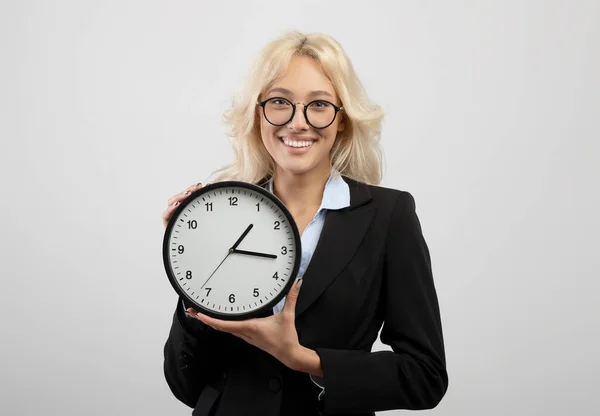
[(279, 102), (320, 105)]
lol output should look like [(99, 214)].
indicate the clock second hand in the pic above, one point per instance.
[(211, 275), (237, 243)]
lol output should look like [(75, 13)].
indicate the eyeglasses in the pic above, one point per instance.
[(279, 111)]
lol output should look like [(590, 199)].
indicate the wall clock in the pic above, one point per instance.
[(232, 250)]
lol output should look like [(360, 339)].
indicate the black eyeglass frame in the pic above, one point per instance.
[(263, 103)]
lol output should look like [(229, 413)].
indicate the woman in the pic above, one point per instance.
[(304, 129)]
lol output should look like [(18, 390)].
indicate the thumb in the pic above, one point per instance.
[(292, 297)]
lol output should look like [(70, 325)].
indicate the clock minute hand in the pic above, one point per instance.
[(254, 253)]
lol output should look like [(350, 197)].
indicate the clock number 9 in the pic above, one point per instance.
[(232, 298), (180, 249), (284, 250)]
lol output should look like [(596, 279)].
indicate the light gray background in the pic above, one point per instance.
[(108, 108)]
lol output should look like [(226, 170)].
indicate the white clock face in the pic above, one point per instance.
[(231, 249)]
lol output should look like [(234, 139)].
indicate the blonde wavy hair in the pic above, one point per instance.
[(356, 153)]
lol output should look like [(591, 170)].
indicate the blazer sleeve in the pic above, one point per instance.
[(412, 376), (187, 366)]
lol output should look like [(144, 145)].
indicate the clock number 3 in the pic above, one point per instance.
[(284, 250)]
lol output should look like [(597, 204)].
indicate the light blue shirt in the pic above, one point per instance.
[(335, 196)]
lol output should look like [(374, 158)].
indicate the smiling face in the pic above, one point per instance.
[(297, 147)]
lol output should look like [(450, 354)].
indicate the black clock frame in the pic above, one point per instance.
[(188, 300)]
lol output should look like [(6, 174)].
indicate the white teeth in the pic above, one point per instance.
[(294, 143)]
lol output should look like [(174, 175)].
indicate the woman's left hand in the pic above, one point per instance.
[(274, 334)]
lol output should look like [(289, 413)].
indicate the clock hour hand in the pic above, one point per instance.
[(244, 234), (254, 253)]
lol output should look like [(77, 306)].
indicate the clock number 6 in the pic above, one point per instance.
[(232, 298)]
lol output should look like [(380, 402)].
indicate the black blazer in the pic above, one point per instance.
[(371, 267)]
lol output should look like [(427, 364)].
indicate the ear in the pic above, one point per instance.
[(342, 123)]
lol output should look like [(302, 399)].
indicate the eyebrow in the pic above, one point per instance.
[(311, 94)]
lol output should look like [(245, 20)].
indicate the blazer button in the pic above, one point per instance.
[(275, 385)]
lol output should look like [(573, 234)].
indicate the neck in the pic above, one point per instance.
[(301, 191)]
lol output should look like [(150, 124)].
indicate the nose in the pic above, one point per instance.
[(298, 122)]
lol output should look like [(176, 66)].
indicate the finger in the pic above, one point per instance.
[(191, 311), (174, 202), (226, 326), (168, 213), (245, 337), (184, 194), (292, 297)]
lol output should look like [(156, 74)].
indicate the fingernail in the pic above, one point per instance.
[(175, 203), (186, 192), (199, 183), (299, 283)]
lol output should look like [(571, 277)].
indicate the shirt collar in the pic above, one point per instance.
[(336, 194)]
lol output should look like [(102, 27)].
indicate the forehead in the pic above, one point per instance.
[(303, 78)]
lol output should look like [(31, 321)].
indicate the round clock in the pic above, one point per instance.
[(232, 250)]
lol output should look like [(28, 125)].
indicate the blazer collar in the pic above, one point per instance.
[(340, 238)]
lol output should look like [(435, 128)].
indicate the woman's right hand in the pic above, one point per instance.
[(174, 202)]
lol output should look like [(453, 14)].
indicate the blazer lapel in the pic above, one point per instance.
[(341, 235)]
